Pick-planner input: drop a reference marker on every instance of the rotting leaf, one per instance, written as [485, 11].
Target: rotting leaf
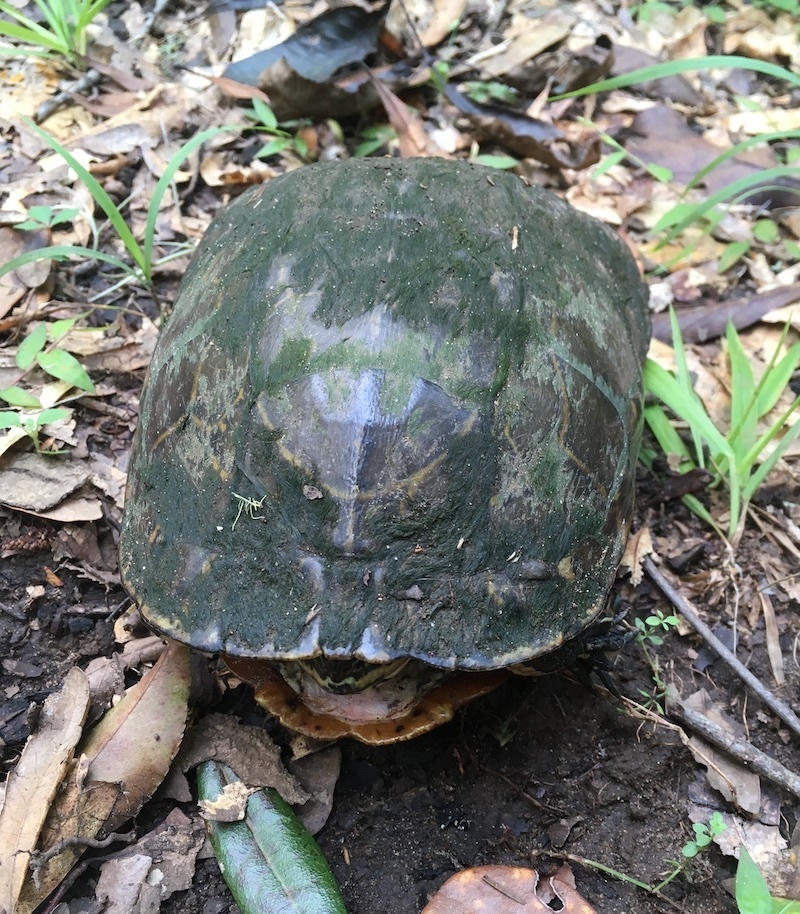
[525, 136]
[32, 785]
[504, 890]
[248, 750]
[638, 546]
[136, 741]
[78, 813]
[318, 49]
[123, 760]
[411, 134]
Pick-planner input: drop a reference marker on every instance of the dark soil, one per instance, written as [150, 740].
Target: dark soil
[576, 773]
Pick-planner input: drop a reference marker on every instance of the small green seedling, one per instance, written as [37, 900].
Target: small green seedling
[32, 423]
[63, 34]
[34, 351]
[704, 834]
[42, 217]
[649, 635]
[373, 139]
[282, 138]
[40, 349]
[485, 93]
[736, 455]
[649, 629]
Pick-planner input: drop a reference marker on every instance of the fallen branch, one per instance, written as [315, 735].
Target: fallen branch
[686, 610]
[739, 749]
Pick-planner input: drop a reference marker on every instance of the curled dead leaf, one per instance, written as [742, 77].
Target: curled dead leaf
[504, 890]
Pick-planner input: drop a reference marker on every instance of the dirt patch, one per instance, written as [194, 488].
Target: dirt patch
[540, 768]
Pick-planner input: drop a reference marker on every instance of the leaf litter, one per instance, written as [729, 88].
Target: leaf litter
[123, 130]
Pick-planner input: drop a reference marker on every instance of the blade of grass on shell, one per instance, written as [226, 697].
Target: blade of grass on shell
[166, 179]
[101, 198]
[687, 65]
[742, 435]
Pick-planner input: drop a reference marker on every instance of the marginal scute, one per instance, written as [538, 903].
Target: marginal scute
[368, 331]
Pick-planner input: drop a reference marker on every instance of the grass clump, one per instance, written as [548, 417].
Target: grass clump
[737, 456]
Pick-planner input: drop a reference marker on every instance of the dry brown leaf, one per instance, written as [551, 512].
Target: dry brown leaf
[502, 890]
[159, 864]
[136, 741]
[123, 760]
[751, 31]
[411, 135]
[638, 546]
[78, 813]
[248, 750]
[32, 785]
[772, 637]
[735, 782]
[525, 39]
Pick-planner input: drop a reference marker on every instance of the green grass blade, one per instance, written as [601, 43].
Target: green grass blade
[742, 435]
[663, 385]
[32, 34]
[25, 52]
[684, 377]
[776, 379]
[62, 252]
[765, 468]
[738, 148]
[727, 193]
[100, 196]
[54, 16]
[666, 435]
[688, 65]
[697, 508]
[165, 180]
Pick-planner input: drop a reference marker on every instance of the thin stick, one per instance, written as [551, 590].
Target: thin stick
[687, 611]
[740, 749]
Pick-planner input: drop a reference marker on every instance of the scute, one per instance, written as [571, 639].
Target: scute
[395, 412]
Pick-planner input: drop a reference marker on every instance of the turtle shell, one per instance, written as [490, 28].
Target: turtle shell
[394, 413]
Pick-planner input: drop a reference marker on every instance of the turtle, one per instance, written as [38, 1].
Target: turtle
[387, 441]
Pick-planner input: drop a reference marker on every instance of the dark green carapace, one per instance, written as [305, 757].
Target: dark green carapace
[395, 412]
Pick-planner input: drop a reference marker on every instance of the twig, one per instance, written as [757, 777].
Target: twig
[740, 749]
[609, 870]
[89, 80]
[685, 609]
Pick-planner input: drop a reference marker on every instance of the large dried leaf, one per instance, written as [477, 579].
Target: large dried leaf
[123, 760]
[504, 890]
[33, 783]
[317, 50]
[135, 742]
